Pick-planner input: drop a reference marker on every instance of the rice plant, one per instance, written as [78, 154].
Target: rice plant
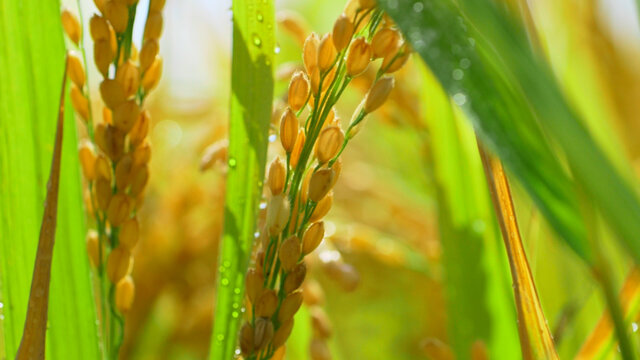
[361, 179]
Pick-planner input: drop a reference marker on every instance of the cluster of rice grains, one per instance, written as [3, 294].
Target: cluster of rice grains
[300, 185]
[116, 153]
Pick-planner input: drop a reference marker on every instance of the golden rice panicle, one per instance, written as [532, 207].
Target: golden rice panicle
[288, 130]
[298, 91]
[213, 154]
[128, 75]
[385, 42]
[254, 284]
[327, 53]
[148, 53]
[289, 253]
[329, 142]
[71, 26]
[263, 333]
[395, 62]
[276, 176]
[129, 233]
[99, 28]
[88, 158]
[118, 264]
[320, 184]
[378, 94]
[312, 237]
[282, 334]
[290, 306]
[297, 148]
[246, 339]
[153, 27]
[152, 75]
[117, 12]
[125, 293]
[310, 52]
[359, 57]
[277, 214]
[93, 248]
[75, 69]
[157, 5]
[322, 208]
[342, 32]
[79, 102]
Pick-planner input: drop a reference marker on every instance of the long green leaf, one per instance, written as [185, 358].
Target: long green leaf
[485, 63]
[251, 97]
[32, 59]
[479, 305]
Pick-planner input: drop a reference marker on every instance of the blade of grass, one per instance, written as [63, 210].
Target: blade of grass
[31, 56]
[252, 93]
[479, 304]
[535, 337]
[32, 345]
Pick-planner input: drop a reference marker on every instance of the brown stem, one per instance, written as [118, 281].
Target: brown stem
[32, 345]
[535, 337]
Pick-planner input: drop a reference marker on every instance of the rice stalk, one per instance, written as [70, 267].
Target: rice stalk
[300, 185]
[116, 155]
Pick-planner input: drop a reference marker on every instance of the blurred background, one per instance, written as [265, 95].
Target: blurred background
[380, 275]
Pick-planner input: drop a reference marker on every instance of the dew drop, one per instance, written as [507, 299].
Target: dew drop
[418, 7]
[260, 183]
[460, 99]
[232, 162]
[276, 50]
[220, 337]
[393, 4]
[259, 17]
[256, 234]
[256, 40]
[234, 314]
[226, 263]
[237, 292]
[225, 282]
[272, 137]
[465, 63]
[457, 74]
[263, 205]
[634, 327]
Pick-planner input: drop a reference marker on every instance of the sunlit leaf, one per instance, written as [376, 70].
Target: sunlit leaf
[32, 59]
[251, 97]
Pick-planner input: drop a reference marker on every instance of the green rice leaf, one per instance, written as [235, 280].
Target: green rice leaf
[479, 306]
[32, 58]
[251, 97]
[485, 63]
